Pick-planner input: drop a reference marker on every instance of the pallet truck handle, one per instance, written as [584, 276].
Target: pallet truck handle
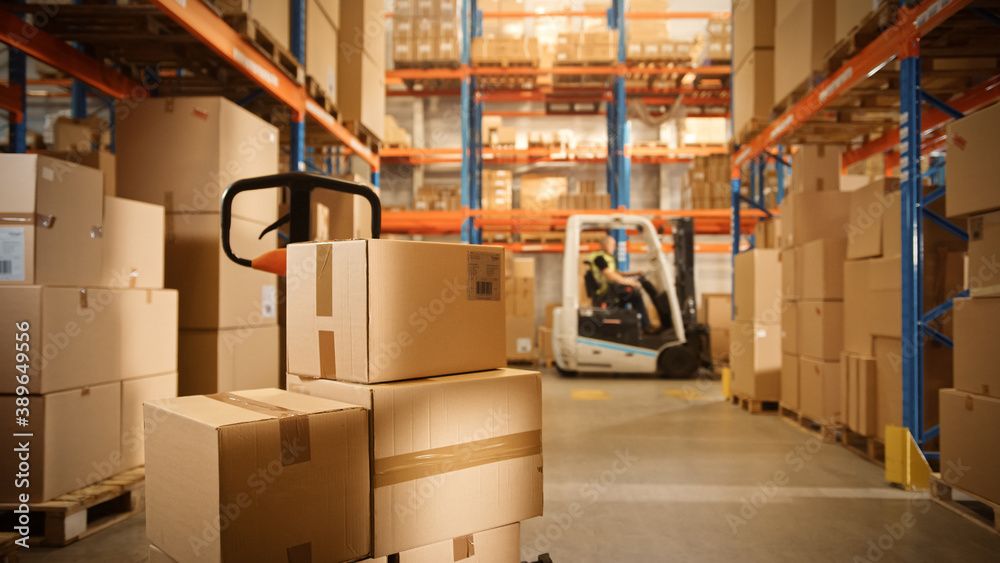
[300, 185]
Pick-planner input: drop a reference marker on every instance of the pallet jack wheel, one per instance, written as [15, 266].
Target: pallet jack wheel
[677, 362]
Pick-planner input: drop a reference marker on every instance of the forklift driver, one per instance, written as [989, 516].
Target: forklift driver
[614, 287]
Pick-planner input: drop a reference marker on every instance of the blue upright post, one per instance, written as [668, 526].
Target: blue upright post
[618, 138]
[18, 74]
[78, 94]
[761, 184]
[468, 119]
[734, 197]
[912, 241]
[297, 137]
[779, 167]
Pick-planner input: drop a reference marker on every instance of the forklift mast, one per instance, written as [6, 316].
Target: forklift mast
[684, 266]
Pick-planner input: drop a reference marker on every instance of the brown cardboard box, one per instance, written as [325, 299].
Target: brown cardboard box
[790, 286]
[970, 431]
[819, 390]
[73, 441]
[755, 357]
[873, 227]
[754, 79]
[790, 381]
[523, 296]
[545, 343]
[383, 310]
[521, 339]
[461, 415]
[499, 545]
[817, 168]
[976, 353]
[64, 329]
[758, 286]
[850, 13]
[322, 42]
[361, 88]
[133, 244]
[790, 328]
[984, 248]
[972, 163]
[550, 313]
[937, 376]
[753, 28]
[821, 269]
[225, 481]
[274, 15]
[872, 302]
[858, 388]
[102, 160]
[134, 393]
[51, 221]
[71, 134]
[148, 330]
[848, 389]
[219, 361]
[541, 191]
[331, 9]
[716, 310]
[156, 555]
[215, 291]
[821, 329]
[201, 146]
[802, 39]
[362, 28]
[808, 216]
[719, 345]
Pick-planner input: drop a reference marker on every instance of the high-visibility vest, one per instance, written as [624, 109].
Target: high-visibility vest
[602, 280]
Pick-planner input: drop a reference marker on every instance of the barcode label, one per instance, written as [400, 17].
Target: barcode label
[6, 267]
[482, 287]
[485, 275]
[12, 254]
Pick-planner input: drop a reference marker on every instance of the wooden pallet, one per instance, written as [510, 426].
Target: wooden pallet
[750, 130]
[868, 447]
[976, 509]
[507, 81]
[8, 549]
[252, 30]
[583, 80]
[796, 95]
[861, 35]
[365, 135]
[320, 96]
[84, 512]
[754, 406]
[543, 238]
[825, 430]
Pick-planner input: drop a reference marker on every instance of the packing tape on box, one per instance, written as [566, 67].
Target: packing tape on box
[438, 461]
[294, 425]
[36, 219]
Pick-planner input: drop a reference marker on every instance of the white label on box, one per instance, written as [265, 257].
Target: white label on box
[523, 345]
[331, 81]
[761, 334]
[269, 301]
[485, 270]
[12, 253]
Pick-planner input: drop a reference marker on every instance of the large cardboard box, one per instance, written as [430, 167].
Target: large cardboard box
[970, 432]
[873, 227]
[322, 40]
[790, 381]
[218, 361]
[821, 269]
[362, 28]
[758, 295]
[937, 376]
[253, 475]
[808, 216]
[134, 427]
[789, 273]
[754, 80]
[361, 91]
[156, 555]
[819, 390]
[821, 329]
[201, 146]
[542, 191]
[850, 13]
[790, 328]
[872, 302]
[274, 15]
[858, 393]
[383, 310]
[133, 235]
[976, 353]
[216, 292]
[521, 339]
[719, 345]
[50, 222]
[485, 428]
[102, 160]
[984, 248]
[71, 337]
[972, 163]
[802, 39]
[499, 545]
[816, 168]
[148, 330]
[716, 310]
[753, 27]
[72, 437]
[755, 357]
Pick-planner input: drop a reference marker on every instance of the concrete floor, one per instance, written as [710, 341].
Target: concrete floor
[650, 470]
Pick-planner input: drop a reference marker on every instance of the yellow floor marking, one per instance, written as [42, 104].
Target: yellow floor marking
[688, 395]
[590, 395]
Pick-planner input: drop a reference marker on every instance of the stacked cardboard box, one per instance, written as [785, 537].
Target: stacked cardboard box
[519, 286]
[438, 198]
[426, 31]
[228, 313]
[586, 197]
[322, 39]
[716, 311]
[767, 233]
[970, 412]
[545, 349]
[753, 55]
[396, 136]
[589, 47]
[755, 334]
[361, 64]
[647, 34]
[719, 44]
[93, 332]
[707, 184]
[542, 191]
[498, 190]
[804, 34]
[517, 51]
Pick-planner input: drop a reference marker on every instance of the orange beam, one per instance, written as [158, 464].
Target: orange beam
[633, 247]
[555, 14]
[398, 75]
[677, 15]
[912, 23]
[20, 34]
[10, 100]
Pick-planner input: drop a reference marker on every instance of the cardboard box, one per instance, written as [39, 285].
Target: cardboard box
[541, 191]
[156, 555]
[490, 420]
[148, 331]
[521, 339]
[851, 13]
[789, 273]
[753, 28]
[50, 222]
[821, 329]
[758, 295]
[201, 146]
[74, 441]
[937, 376]
[755, 357]
[274, 15]
[808, 216]
[545, 343]
[134, 393]
[984, 247]
[361, 86]
[976, 353]
[322, 42]
[790, 328]
[754, 79]
[384, 310]
[499, 545]
[816, 167]
[859, 388]
[874, 226]
[716, 310]
[64, 329]
[102, 160]
[362, 26]
[872, 302]
[215, 291]
[550, 313]
[522, 297]
[970, 431]
[331, 9]
[821, 269]
[219, 361]
[80, 135]
[252, 475]
[801, 42]
[719, 345]
[134, 242]
[819, 390]
[971, 163]
[790, 381]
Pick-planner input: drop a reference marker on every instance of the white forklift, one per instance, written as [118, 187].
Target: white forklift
[608, 338]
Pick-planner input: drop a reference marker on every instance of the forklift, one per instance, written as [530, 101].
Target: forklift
[604, 337]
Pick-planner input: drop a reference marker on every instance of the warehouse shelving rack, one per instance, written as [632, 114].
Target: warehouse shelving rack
[222, 49]
[807, 121]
